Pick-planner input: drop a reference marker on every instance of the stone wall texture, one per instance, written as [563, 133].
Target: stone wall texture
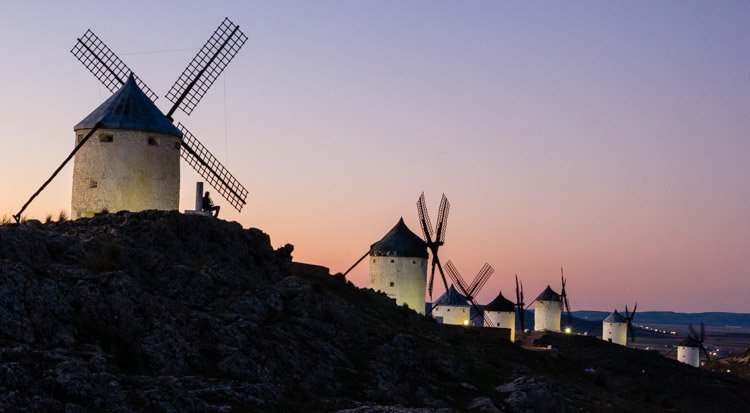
[453, 314]
[503, 319]
[402, 278]
[616, 332]
[547, 316]
[689, 355]
[135, 171]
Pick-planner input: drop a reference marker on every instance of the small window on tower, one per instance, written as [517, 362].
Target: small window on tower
[93, 183]
[413, 262]
[391, 283]
[391, 260]
[79, 137]
[152, 141]
[177, 145]
[106, 138]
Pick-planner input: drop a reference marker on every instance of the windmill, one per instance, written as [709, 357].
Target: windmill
[185, 94]
[700, 338]
[435, 239]
[689, 350]
[565, 303]
[470, 291]
[519, 303]
[629, 318]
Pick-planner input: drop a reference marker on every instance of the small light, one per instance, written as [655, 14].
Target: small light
[466, 322]
[568, 330]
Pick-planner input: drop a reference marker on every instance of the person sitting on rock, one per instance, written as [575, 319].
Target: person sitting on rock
[209, 206]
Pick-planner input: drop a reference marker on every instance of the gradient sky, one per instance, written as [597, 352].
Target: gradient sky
[606, 137]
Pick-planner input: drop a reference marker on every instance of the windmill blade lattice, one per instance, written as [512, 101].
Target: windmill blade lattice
[104, 64]
[442, 222]
[206, 164]
[456, 277]
[424, 219]
[481, 279]
[459, 281]
[206, 66]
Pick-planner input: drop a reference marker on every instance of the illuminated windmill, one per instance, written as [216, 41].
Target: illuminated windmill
[470, 291]
[133, 163]
[616, 327]
[435, 239]
[689, 350]
[501, 313]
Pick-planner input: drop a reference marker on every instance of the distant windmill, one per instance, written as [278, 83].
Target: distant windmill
[689, 350]
[700, 338]
[565, 303]
[471, 291]
[519, 304]
[435, 239]
[131, 108]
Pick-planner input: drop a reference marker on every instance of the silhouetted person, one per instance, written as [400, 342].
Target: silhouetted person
[209, 206]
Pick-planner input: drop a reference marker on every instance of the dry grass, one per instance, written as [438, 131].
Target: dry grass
[62, 216]
[48, 219]
[6, 219]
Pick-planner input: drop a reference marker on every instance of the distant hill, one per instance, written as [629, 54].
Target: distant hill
[717, 319]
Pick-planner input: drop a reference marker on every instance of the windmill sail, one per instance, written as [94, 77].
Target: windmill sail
[206, 164]
[104, 64]
[205, 67]
[476, 286]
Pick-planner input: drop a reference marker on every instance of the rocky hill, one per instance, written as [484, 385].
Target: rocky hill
[157, 311]
[738, 365]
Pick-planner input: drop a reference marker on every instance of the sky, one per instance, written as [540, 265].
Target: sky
[609, 138]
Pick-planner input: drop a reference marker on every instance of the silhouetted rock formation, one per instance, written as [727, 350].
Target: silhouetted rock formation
[161, 311]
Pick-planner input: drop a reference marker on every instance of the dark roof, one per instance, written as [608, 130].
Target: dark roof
[452, 297]
[400, 242]
[500, 303]
[615, 317]
[690, 342]
[548, 295]
[129, 108]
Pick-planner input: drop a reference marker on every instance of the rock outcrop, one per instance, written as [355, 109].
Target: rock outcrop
[159, 311]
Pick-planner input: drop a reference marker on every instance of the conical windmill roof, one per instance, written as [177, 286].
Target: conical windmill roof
[690, 342]
[615, 317]
[452, 297]
[129, 108]
[500, 304]
[400, 242]
[548, 295]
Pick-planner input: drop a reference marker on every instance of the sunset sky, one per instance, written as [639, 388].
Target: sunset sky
[610, 138]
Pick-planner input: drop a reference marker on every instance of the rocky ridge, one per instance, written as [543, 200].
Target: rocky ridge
[160, 311]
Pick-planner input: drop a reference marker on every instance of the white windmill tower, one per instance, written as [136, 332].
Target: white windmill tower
[616, 327]
[452, 308]
[501, 313]
[133, 161]
[398, 267]
[547, 311]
